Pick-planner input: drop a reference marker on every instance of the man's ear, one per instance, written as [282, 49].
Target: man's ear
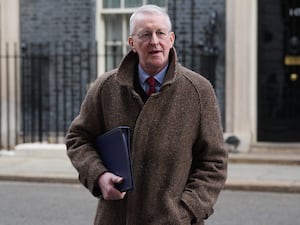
[130, 42]
[172, 39]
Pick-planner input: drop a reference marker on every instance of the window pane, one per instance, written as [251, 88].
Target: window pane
[161, 3]
[111, 4]
[113, 25]
[133, 3]
[113, 57]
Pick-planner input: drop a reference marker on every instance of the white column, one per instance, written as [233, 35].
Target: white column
[9, 71]
[241, 56]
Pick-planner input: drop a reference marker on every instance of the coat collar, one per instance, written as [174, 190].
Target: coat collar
[128, 68]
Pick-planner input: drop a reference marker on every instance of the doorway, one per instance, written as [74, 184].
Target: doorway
[279, 71]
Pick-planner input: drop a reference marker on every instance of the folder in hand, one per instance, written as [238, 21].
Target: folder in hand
[114, 150]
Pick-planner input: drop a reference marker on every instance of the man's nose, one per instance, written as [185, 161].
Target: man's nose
[154, 38]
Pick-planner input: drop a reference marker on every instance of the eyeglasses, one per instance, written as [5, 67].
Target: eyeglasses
[148, 35]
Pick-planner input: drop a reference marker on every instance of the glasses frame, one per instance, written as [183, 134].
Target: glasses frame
[147, 35]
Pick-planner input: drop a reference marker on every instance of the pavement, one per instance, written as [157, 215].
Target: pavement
[261, 171]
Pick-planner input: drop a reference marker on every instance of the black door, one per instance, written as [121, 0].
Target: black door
[279, 71]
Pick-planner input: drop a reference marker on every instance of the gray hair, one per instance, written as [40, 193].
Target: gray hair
[148, 9]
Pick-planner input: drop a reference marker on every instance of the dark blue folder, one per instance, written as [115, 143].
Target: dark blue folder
[114, 150]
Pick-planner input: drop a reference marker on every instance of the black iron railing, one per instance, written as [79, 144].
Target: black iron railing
[55, 79]
[42, 88]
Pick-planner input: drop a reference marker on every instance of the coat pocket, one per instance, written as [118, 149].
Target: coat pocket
[184, 215]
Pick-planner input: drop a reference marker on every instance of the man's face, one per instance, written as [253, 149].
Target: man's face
[152, 42]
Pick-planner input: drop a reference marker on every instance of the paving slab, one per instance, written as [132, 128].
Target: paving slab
[257, 172]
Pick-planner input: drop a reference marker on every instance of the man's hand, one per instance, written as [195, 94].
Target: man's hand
[106, 183]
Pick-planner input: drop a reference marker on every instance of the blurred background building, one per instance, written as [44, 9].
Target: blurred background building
[51, 51]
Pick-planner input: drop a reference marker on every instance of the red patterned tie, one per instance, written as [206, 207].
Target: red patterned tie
[151, 81]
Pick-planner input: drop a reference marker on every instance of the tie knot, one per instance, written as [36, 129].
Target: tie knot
[151, 82]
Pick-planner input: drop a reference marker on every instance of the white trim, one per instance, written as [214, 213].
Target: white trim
[117, 11]
[10, 99]
[124, 36]
[253, 70]
[100, 28]
[241, 72]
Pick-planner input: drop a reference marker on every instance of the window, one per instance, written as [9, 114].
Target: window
[113, 29]
[131, 3]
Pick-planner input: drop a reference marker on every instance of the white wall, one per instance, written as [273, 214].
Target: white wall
[241, 45]
[9, 44]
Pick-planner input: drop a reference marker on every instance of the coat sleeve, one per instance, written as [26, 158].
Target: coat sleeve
[80, 137]
[209, 166]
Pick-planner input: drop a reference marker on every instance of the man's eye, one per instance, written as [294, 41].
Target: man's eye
[160, 33]
[145, 35]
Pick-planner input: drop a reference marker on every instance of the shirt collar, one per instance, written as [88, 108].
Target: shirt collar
[159, 77]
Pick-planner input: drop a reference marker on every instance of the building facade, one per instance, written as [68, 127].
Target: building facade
[58, 62]
[249, 50]
[9, 73]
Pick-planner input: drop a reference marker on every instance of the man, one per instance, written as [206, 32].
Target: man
[178, 160]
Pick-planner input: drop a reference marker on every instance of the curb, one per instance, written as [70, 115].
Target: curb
[233, 185]
[263, 186]
[15, 178]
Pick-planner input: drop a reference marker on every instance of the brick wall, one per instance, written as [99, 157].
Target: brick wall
[57, 20]
[58, 63]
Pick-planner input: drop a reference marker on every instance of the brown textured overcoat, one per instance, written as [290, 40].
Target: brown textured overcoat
[177, 149]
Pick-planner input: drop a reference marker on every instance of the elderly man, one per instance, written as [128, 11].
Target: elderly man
[178, 158]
